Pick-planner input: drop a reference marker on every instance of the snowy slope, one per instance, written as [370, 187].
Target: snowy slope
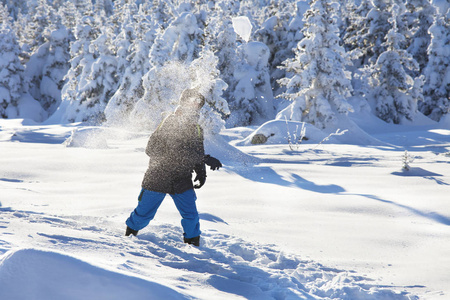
[335, 221]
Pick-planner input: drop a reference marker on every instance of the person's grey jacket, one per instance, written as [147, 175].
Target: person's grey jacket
[175, 150]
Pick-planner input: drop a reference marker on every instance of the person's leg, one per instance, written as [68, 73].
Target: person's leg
[145, 211]
[185, 204]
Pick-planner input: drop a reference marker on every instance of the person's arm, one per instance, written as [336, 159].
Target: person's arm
[200, 169]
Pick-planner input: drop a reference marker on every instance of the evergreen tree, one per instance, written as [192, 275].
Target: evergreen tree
[11, 74]
[367, 32]
[420, 17]
[394, 92]
[320, 84]
[356, 17]
[131, 88]
[57, 4]
[437, 72]
[161, 11]
[99, 83]
[47, 67]
[288, 40]
[82, 58]
[41, 18]
[125, 37]
[84, 7]
[222, 39]
[16, 8]
[69, 16]
[252, 101]
[180, 41]
[205, 75]
[54, 69]
[99, 10]
[120, 13]
[274, 32]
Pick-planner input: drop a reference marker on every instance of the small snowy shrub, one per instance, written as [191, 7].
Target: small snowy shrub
[337, 133]
[296, 138]
[406, 160]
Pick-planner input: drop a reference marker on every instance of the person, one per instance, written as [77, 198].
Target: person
[176, 150]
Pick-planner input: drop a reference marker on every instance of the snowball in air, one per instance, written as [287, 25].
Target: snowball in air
[242, 27]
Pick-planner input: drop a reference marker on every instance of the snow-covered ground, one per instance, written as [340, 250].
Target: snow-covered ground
[307, 222]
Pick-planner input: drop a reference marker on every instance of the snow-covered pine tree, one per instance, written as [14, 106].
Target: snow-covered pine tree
[55, 69]
[40, 19]
[252, 100]
[205, 75]
[124, 35]
[437, 72]
[355, 17]
[398, 11]
[367, 32]
[121, 11]
[4, 15]
[47, 67]
[57, 4]
[11, 74]
[288, 42]
[419, 17]
[394, 94]
[82, 58]
[105, 7]
[161, 11]
[99, 10]
[131, 89]
[320, 85]
[180, 41]
[69, 16]
[222, 39]
[84, 7]
[16, 8]
[442, 6]
[278, 32]
[99, 83]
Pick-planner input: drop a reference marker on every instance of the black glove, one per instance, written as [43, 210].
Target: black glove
[214, 163]
[200, 172]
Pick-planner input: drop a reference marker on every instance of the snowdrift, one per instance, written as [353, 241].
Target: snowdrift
[289, 132]
[51, 275]
[87, 138]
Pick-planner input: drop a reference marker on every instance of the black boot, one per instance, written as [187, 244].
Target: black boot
[192, 241]
[131, 231]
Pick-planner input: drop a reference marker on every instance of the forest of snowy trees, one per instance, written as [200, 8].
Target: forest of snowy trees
[127, 61]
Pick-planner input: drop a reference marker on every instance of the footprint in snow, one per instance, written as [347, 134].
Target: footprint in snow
[256, 271]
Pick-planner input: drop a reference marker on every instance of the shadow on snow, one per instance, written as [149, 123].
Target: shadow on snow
[264, 174]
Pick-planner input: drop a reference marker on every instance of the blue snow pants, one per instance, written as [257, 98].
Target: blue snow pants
[149, 203]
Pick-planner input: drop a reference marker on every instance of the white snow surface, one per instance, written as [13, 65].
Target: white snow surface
[334, 221]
